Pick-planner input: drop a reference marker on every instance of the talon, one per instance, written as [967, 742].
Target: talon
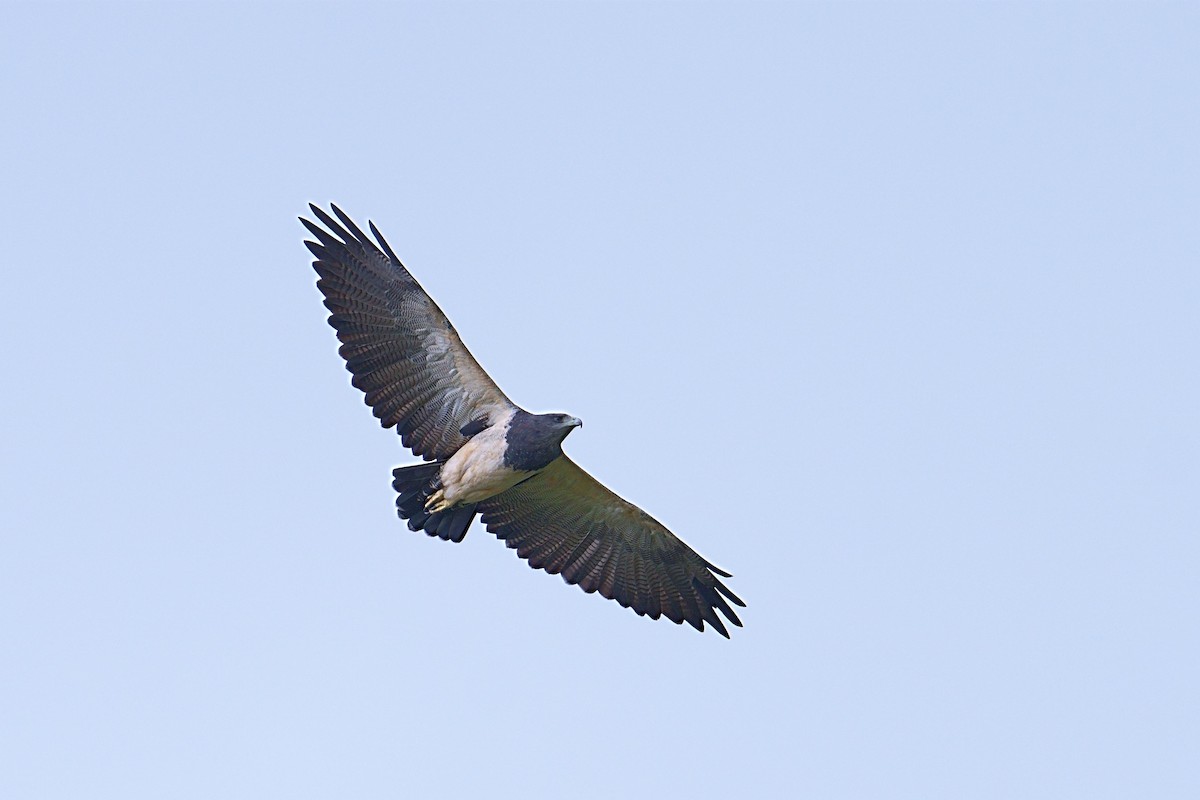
[436, 502]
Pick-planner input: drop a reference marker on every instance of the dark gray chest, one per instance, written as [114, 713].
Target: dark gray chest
[530, 444]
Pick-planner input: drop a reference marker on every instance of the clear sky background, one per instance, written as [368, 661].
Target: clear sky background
[890, 310]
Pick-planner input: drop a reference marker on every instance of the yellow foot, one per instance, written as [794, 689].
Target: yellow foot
[436, 502]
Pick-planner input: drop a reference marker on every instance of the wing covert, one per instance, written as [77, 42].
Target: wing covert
[566, 522]
[415, 371]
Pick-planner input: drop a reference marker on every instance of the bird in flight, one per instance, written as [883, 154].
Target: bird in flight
[487, 456]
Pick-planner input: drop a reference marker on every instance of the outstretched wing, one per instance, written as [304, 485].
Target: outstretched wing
[565, 521]
[405, 355]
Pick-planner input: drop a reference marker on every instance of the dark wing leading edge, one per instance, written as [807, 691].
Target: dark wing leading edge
[565, 521]
[404, 354]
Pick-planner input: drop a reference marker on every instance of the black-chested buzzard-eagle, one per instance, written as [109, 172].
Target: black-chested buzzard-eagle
[490, 457]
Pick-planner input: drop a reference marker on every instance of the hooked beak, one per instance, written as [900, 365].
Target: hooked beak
[575, 422]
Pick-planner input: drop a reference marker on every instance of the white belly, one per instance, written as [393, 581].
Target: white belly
[477, 472]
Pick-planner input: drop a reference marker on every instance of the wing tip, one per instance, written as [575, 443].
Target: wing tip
[725, 590]
[717, 569]
[387, 249]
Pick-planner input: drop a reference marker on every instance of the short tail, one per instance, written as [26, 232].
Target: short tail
[416, 484]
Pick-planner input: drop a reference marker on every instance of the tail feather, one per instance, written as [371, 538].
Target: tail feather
[415, 485]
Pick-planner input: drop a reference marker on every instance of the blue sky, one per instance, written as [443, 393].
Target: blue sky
[889, 310]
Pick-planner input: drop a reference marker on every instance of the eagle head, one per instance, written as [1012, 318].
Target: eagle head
[549, 428]
[565, 423]
[534, 440]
